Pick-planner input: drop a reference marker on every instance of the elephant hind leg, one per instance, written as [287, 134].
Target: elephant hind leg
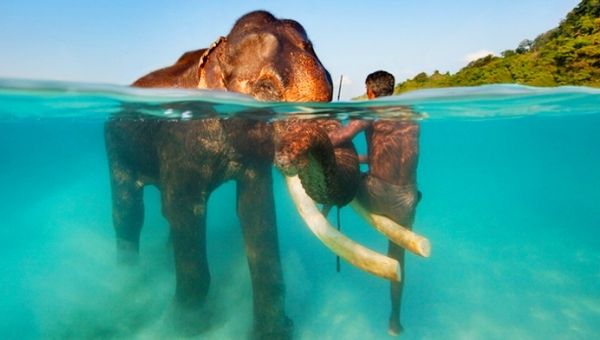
[128, 212]
[255, 208]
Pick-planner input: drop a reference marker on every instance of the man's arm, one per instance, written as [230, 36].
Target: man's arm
[346, 133]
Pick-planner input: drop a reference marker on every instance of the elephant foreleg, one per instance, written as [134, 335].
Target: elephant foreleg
[256, 212]
[187, 217]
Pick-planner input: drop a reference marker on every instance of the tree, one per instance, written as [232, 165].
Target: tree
[566, 55]
[524, 46]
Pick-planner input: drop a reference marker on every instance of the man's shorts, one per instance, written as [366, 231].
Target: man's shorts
[393, 201]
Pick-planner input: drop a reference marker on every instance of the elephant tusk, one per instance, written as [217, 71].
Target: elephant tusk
[396, 233]
[359, 256]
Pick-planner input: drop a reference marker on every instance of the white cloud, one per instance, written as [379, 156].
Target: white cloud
[476, 55]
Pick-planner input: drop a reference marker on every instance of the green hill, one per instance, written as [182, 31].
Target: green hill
[566, 55]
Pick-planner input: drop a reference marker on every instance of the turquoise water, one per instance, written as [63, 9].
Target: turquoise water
[510, 179]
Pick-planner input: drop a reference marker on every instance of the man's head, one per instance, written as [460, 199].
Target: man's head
[379, 84]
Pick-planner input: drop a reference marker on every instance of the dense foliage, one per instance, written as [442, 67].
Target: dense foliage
[566, 55]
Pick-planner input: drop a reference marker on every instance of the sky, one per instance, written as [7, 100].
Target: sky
[116, 42]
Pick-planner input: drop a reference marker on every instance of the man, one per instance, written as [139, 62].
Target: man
[390, 186]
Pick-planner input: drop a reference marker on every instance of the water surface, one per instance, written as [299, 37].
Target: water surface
[510, 181]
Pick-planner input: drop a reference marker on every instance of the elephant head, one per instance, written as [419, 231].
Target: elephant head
[268, 58]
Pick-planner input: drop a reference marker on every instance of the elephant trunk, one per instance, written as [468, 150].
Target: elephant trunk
[329, 175]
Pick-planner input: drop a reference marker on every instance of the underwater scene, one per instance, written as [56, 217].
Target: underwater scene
[510, 184]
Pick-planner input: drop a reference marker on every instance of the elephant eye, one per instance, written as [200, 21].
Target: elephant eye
[266, 90]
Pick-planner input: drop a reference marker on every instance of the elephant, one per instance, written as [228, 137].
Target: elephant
[270, 59]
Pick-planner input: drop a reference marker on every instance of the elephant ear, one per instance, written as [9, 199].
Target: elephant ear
[210, 73]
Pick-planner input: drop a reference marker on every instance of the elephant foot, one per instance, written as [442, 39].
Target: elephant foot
[395, 327]
[187, 321]
[282, 331]
[127, 252]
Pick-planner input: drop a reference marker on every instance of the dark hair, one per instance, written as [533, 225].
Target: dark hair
[381, 83]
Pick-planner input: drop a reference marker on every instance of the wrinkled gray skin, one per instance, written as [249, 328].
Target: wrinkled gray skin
[262, 56]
